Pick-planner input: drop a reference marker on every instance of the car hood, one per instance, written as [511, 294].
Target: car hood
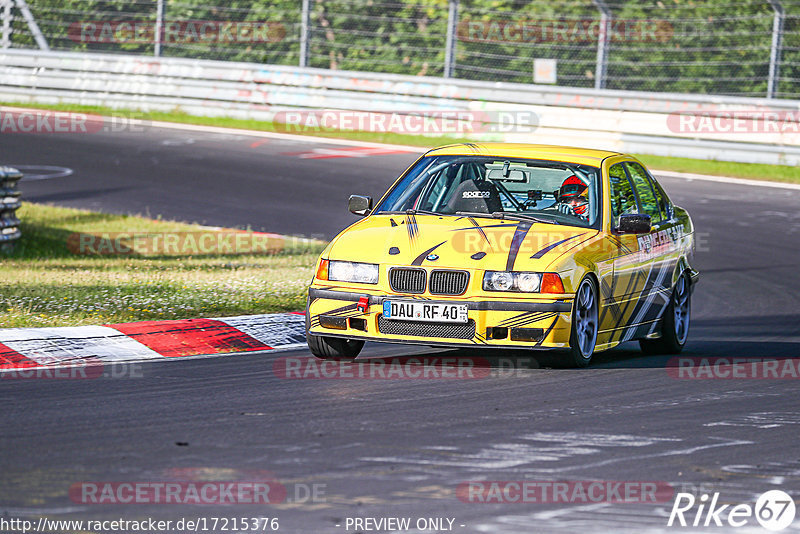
[456, 242]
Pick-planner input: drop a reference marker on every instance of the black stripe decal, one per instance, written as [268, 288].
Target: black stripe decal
[514, 319]
[479, 338]
[573, 246]
[641, 300]
[617, 241]
[516, 243]
[551, 246]
[518, 320]
[534, 317]
[611, 305]
[633, 281]
[411, 228]
[504, 225]
[480, 230]
[646, 304]
[338, 311]
[547, 332]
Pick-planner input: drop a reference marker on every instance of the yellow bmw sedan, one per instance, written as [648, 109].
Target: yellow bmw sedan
[509, 246]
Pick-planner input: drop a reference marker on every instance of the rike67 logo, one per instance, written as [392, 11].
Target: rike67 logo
[773, 510]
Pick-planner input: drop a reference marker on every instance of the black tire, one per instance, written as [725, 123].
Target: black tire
[674, 326]
[585, 324]
[327, 348]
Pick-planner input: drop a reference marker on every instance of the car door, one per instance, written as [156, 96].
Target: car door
[658, 245]
[622, 287]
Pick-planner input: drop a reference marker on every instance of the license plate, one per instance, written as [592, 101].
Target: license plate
[425, 311]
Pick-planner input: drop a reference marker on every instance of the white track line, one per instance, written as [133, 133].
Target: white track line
[285, 136]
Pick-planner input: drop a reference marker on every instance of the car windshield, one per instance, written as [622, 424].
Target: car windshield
[547, 191]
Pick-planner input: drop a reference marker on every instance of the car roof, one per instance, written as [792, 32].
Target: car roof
[584, 156]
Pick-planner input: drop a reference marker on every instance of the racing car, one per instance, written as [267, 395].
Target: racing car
[509, 246]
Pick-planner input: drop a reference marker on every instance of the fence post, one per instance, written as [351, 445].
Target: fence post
[159, 32]
[602, 44]
[5, 41]
[450, 45]
[305, 22]
[775, 48]
[37, 33]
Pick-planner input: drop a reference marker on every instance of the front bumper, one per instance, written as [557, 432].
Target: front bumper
[694, 277]
[532, 322]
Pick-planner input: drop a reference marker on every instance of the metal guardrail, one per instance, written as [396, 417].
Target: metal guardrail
[618, 120]
[9, 203]
[714, 47]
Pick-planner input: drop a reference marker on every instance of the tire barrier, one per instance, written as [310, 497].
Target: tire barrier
[9, 204]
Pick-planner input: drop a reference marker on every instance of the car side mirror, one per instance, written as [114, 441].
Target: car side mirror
[359, 205]
[634, 223]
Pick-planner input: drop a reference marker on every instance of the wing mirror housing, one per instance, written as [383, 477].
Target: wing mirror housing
[634, 223]
[360, 205]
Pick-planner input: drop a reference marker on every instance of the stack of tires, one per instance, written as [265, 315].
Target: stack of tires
[9, 203]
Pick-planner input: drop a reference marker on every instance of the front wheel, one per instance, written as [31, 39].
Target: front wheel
[327, 348]
[583, 338]
[675, 324]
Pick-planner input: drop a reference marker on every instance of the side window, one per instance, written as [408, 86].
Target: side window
[435, 193]
[644, 190]
[663, 199]
[440, 186]
[621, 194]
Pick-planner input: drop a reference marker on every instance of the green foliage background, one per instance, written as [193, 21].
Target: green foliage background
[704, 46]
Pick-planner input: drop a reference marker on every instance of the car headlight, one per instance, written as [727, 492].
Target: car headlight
[348, 271]
[528, 282]
[498, 281]
[522, 282]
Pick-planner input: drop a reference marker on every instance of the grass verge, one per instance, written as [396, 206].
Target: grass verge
[45, 284]
[753, 171]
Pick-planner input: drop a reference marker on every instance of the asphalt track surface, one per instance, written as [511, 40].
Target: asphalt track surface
[400, 448]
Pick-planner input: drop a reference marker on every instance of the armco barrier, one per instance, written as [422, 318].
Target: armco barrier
[9, 203]
[616, 120]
